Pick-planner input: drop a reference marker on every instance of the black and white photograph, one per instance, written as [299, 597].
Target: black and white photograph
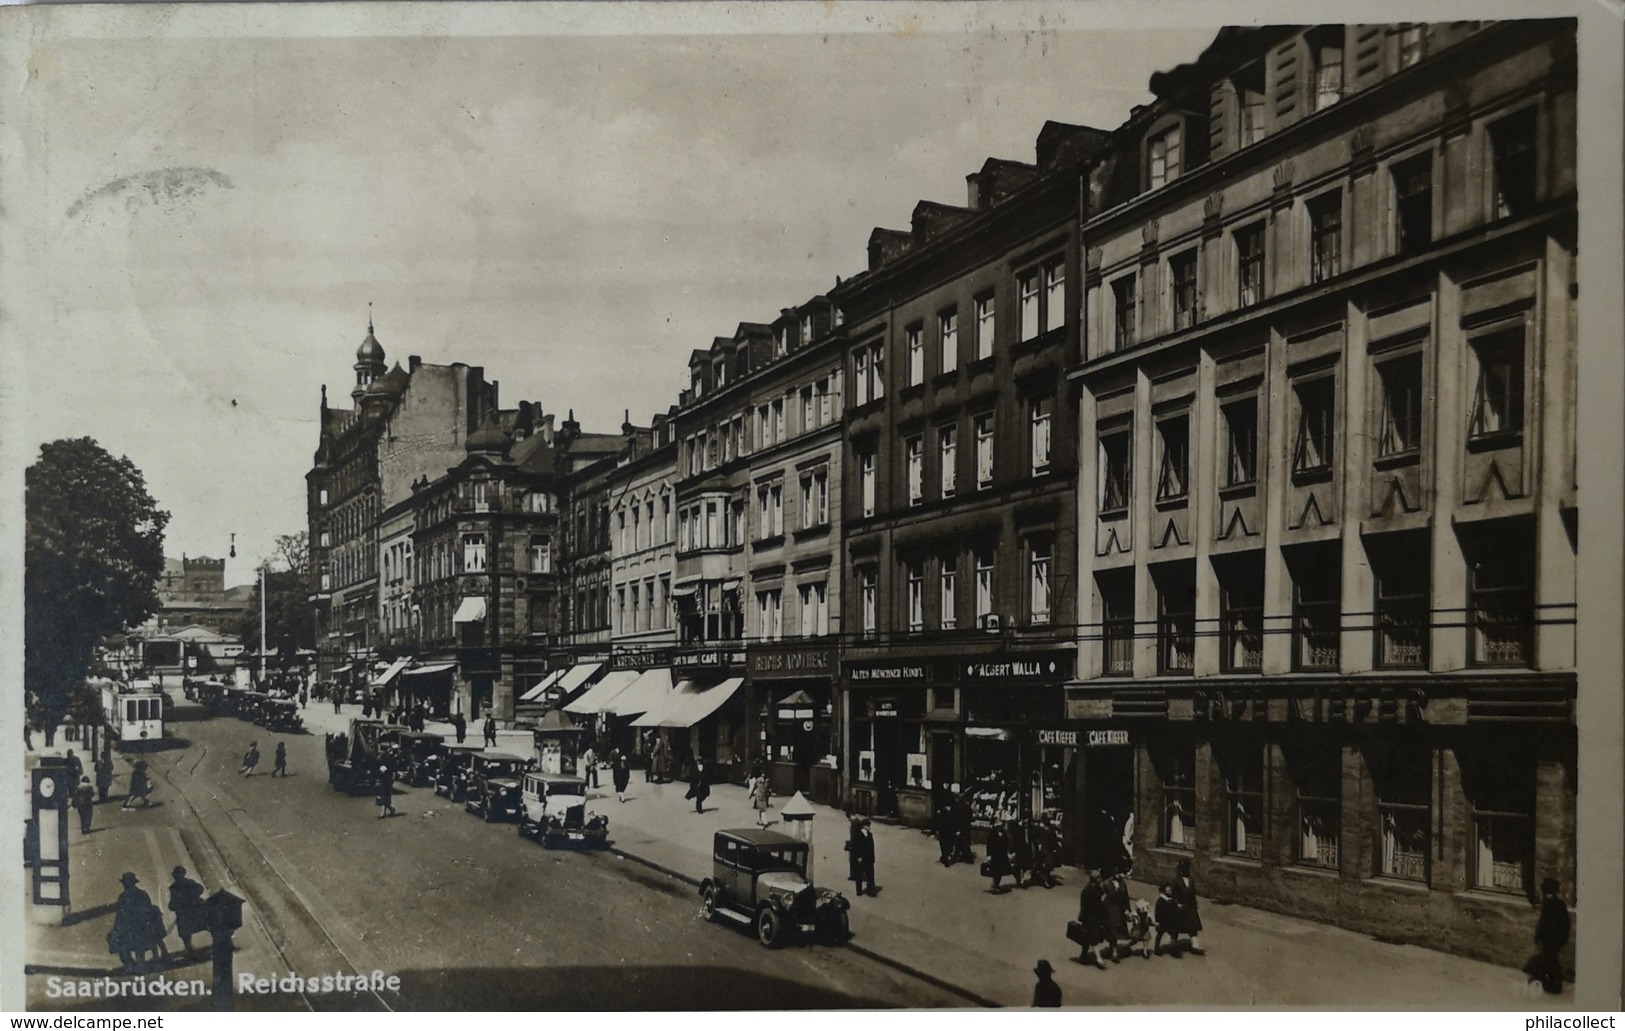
[811, 506]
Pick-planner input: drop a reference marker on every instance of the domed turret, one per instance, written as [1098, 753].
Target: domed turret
[488, 437]
[369, 364]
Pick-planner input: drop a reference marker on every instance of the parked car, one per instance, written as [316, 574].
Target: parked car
[451, 779]
[493, 785]
[553, 809]
[281, 715]
[759, 878]
[419, 757]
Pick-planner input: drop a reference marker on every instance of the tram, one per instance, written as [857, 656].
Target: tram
[134, 712]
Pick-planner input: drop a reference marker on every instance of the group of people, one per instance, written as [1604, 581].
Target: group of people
[251, 760]
[138, 934]
[1025, 850]
[1110, 922]
[620, 771]
[85, 794]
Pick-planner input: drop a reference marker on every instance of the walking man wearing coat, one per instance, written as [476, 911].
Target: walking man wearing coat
[186, 902]
[861, 859]
[84, 800]
[1551, 934]
[699, 788]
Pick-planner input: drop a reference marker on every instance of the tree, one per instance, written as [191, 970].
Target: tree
[288, 622]
[93, 553]
[294, 551]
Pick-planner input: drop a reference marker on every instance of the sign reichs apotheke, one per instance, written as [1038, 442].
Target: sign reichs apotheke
[792, 662]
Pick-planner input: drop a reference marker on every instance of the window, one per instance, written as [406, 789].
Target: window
[1182, 271]
[1413, 203]
[1038, 583]
[1054, 316]
[1500, 594]
[814, 610]
[1176, 769]
[1174, 438]
[914, 465]
[770, 615]
[1401, 406]
[809, 410]
[473, 552]
[650, 508]
[535, 502]
[321, 496]
[1027, 297]
[984, 327]
[662, 602]
[1117, 623]
[866, 602]
[1513, 158]
[1399, 567]
[1317, 584]
[1250, 264]
[1326, 51]
[1242, 765]
[687, 540]
[713, 525]
[945, 447]
[621, 625]
[1124, 295]
[775, 498]
[665, 517]
[781, 344]
[1039, 411]
[1412, 44]
[1164, 158]
[1249, 85]
[877, 370]
[1241, 613]
[1403, 778]
[625, 541]
[866, 482]
[1317, 408]
[1500, 785]
[541, 553]
[916, 597]
[948, 339]
[1317, 770]
[1176, 617]
[815, 498]
[779, 428]
[1325, 236]
[327, 539]
[984, 451]
[1498, 396]
[806, 330]
[1114, 470]
[948, 600]
[1241, 441]
[984, 587]
[822, 390]
[860, 377]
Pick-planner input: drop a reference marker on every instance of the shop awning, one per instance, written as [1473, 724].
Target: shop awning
[578, 674]
[597, 697]
[389, 674]
[690, 704]
[993, 733]
[648, 691]
[341, 669]
[732, 584]
[470, 610]
[535, 693]
[684, 592]
[424, 671]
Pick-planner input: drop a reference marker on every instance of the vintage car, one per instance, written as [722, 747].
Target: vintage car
[553, 809]
[493, 785]
[280, 714]
[358, 759]
[759, 878]
[419, 757]
[456, 762]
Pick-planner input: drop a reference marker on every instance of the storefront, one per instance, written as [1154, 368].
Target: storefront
[704, 715]
[791, 718]
[430, 686]
[887, 702]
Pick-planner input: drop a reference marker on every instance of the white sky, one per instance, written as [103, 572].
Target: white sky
[573, 213]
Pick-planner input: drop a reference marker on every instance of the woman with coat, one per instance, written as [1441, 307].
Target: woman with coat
[1021, 853]
[622, 775]
[860, 849]
[386, 792]
[1115, 904]
[1091, 922]
[699, 787]
[761, 794]
[997, 865]
[1190, 918]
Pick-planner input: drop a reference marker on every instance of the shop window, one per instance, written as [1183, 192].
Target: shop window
[1513, 155]
[1039, 412]
[916, 597]
[1403, 778]
[914, 337]
[1318, 772]
[1317, 413]
[1114, 471]
[1175, 763]
[1401, 380]
[1164, 158]
[1326, 52]
[1242, 767]
[1498, 395]
[1501, 593]
[914, 467]
[1125, 298]
[1174, 440]
[1499, 784]
[1039, 554]
[948, 340]
[1317, 584]
[948, 600]
[1241, 612]
[1250, 264]
[1241, 442]
[1182, 271]
[1249, 86]
[1399, 567]
[1176, 616]
[1325, 236]
[1117, 622]
[1413, 203]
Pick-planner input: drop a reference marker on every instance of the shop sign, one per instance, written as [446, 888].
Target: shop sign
[1041, 667]
[797, 663]
[708, 657]
[870, 674]
[883, 707]
[640, 659]
[803, 713]
[1107, 737]
[1066, 738]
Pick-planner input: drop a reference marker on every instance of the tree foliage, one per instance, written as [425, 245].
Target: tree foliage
[93, 553]
[288, 622]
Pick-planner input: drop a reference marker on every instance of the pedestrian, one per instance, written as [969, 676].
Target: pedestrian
[84, 800]
[251, 759]
[304, 696]
[997, 864]
[386, 793]
[657, 759]
[863, 852]
[186, 902]
[1046, 993]
[942, 825]
[280, 766]
[1046, 844]
[589, 766]
[1021, 853]
[490, 731]
[104, 778]
[1190, 916]
[1167, 918]
[1115, 902]
[76, 765]
[338, 698]
[459, 725]
[699, 789]
[1551, 934]
[139, 787]
[760, 794]
[135, 921]
[621, 774]
[1090, 930]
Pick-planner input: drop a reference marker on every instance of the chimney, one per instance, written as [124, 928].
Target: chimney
[412, 363]
[973, 191]
[547, 427]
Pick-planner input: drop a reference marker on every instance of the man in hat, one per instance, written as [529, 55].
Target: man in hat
[251, 760]
[104, 777]
[84, 800]
[280, 767]
[139, 787]
[134, 920]
[1551, 934]
[1046, 993]
[186, 902]
[490, 731]
[386, 793]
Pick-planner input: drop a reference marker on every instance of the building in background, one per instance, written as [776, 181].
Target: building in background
[1328, 477]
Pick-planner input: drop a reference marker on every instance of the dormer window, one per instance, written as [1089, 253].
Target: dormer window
[1326, 52]
[781, 346]
[699, 383]
[806, 330]
[1165, 153]
[719, 372]
[1249, 85]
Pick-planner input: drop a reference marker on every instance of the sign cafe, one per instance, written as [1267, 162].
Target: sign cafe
[1091, 738]
[713, 657]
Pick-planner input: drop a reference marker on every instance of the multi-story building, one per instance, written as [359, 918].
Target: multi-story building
[581, 651]
[958, 476]
[1327, 471]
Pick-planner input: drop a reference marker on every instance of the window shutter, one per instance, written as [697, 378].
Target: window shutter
[1222, 106]
[1368, 59]
[1286, 80]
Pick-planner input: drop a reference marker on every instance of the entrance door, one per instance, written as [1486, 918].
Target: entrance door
[942, 764]
[1107, 801]
[890, 762]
